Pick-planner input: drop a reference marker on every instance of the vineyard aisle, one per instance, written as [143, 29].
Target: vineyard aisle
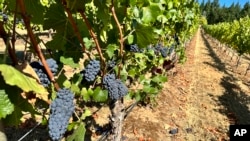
[201, 100]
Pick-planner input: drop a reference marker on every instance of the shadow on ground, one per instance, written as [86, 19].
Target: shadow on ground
[235, 102]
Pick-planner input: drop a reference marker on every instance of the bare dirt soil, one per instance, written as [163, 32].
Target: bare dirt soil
[200, 100]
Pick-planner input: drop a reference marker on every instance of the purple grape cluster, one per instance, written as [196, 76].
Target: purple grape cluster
[134, 48]
[61, 110]
[116, 89]
[160, 49]
[91, 70]
[52, 65]
[41, 73]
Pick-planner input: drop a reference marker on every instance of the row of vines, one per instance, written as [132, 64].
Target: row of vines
[118, 51]
[235, 34]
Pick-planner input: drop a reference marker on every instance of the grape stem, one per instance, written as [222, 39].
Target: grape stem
[35, 43]
[121, 40]
[75, 28]
[13, 40]
[91, 32]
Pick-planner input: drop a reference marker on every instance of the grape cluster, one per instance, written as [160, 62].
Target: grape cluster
[91, 70]
[164, 52]
[134, 48]
[61, 110]
[116, 89]
[41, 73]
[160, 49]
[52, 65]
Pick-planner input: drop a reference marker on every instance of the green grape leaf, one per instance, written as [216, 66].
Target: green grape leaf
[56, 19]
[150, 89]
[20, 105]
[72, 125]
[144, 35]
[78, 134]
[138, 96]
[75, 5]
[85, 94]
[74, 88]
[88, 43]
[13, 119]
[130, 39]
[159, 79]
[132, 72]
[86, 113]
[100, 95]
[170, 5]
[69, 61]
[34, 9]
[110, 50]
[6, 107]
[150, 13]
[14, 77]
[90, 92]
[57, 43]
[67, 84]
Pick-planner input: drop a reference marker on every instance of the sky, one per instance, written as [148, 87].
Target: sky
[229, 2]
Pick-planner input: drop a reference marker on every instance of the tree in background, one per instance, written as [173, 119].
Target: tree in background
[245, 10]
[215, 13]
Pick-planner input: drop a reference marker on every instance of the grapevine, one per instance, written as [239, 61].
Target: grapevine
[125, 41]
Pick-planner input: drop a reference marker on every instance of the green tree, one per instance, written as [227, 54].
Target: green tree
[245, 10]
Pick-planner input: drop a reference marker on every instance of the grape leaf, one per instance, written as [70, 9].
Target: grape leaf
[150, 89]
[100, 95]
[159, 79]
[144, 35]
[85, 94]
[14, 77]
[6, 107]
[74, 88]
[110, 50]
[14, 119]
[78, 134]
[75, 5]
[34, 9]
[150, 13]
[56, 19]
[57, 43]
[69, 61]
[86, 113]
[20, 105]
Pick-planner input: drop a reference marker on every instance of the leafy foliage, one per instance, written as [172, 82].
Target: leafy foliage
[6, 107]
[87, 31]
[236, 34]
